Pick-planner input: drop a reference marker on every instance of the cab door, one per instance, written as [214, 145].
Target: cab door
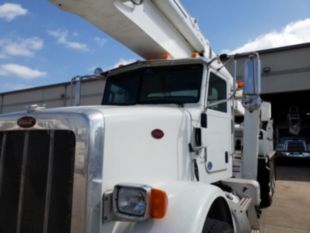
[218, 131]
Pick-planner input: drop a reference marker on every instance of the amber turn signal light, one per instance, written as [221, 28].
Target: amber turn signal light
[158, 204]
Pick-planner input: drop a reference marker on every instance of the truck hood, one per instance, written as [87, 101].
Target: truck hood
[132, 153]
[129, 151]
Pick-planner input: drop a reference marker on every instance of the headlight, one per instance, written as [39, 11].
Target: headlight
[138, 202]
[132, 201]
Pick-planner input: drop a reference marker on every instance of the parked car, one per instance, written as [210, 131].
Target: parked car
[294, 147]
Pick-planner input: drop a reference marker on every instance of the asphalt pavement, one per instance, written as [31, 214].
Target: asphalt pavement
[290, 210]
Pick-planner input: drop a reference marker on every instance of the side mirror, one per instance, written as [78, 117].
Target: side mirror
[252, 83]
[252, 76]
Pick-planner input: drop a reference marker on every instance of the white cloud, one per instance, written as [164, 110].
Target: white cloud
[294, 33]
[20, 71]
[21, 47]
[9, 11]
[100, 41]
[62, 38]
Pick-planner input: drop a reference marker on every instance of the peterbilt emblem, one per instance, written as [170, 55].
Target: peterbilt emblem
[26, 122]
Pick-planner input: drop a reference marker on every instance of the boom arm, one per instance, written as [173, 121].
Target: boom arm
[151, 28]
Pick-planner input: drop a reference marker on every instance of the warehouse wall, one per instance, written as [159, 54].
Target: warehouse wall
[58, 95]
[284, 69]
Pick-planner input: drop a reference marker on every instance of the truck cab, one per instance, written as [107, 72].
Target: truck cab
[189, 85]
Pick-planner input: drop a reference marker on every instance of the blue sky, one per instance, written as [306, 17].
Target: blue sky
[41, 45]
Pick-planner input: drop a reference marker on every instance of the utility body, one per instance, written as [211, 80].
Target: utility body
[156, 156]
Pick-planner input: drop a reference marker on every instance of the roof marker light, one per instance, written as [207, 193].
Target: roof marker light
[195, 54]
[167, 56]
[240, 84]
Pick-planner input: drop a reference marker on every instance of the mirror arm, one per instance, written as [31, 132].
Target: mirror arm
[220, 101]
[212, 60]
[230, 58]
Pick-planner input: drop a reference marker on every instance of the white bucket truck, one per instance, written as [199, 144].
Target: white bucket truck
[155, 157]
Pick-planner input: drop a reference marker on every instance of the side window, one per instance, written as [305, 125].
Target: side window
[217, 91]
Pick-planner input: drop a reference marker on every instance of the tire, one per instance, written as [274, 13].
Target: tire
[216, 226]
[266, 199]
[266, 179]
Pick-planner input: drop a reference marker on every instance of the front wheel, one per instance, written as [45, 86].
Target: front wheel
[217, 226]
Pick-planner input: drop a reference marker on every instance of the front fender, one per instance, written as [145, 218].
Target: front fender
[188, 206]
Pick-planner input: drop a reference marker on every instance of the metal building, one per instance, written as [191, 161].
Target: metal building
[286, 84]
[89, 92]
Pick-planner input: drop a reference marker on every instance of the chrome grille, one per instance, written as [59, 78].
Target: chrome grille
[36, 181]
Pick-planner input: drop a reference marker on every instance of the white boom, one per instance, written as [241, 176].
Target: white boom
[154, 29]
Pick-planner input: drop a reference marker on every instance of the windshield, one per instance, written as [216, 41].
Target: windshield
[155, 85]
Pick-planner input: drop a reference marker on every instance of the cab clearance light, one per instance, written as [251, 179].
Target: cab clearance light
[167, 56]
[240, 84]
[195, 54]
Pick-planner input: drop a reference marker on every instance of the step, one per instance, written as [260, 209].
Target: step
[245, 203]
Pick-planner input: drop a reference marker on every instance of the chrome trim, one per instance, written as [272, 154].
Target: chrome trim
[49, 182]
[107, 210]
[87, 124]
[22, 182]
[77, 91]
